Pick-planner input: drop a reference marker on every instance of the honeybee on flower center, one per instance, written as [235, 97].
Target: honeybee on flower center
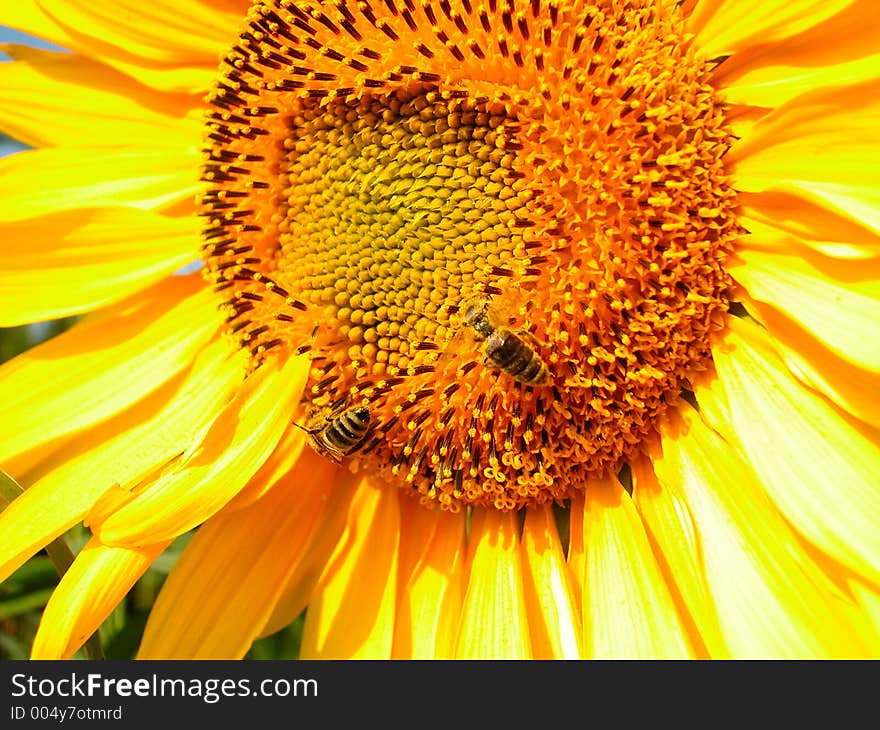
[505, 349]
[339, 433]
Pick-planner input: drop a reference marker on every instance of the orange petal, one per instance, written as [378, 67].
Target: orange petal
[123, 450]
[628, 611]
[73, 262]
[818, 467]
[353, 616]
[433, 576]
[417, 526]
[93, 586]
[228, 579]
[494, 619]
[772, 601]
[219, 464]
[554, 619]
[105, 364]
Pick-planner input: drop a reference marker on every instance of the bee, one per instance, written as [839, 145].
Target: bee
[506, 350]
[339, 433]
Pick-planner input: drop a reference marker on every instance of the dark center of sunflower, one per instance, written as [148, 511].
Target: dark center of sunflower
[498, 231]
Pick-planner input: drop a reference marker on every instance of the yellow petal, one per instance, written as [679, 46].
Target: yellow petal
[851, 388]
[868, 598]
[40, 182]
[771, 599]
[786, 223]
[228, 579]
[166, 31]
[162, 45]
[73, 262]
[93, 586]
[48, 99]
[800, 149]
[840, 49]
[628, 611]
[285, 457]
[417, 527]
[353, 616]
[837, 302]
[851, 599]
[430, 603]
[772, 86]
[313, 568]
[671, 528]
[724, 27]
[28, 17]
[219, 464]
[577, 557]
[494, 621]
[124, 449]
[189, 78]
[106, 363]
[554, 619]
[818, 467]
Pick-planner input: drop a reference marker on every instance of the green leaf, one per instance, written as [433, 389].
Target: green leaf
[19, 605]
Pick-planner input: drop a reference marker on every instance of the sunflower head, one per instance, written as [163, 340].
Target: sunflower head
[556, 168]
[594, 281]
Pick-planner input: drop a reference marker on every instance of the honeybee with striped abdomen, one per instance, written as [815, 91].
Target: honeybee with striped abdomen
[339, 433]
[506, 350]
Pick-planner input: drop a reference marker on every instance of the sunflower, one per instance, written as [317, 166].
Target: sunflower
[537, 329]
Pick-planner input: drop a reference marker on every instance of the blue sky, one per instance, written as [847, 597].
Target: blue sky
[8, 35]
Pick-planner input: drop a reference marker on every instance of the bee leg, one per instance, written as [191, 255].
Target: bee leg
[334, 457]
[322, 450]
[490, 364]
[308, 430]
